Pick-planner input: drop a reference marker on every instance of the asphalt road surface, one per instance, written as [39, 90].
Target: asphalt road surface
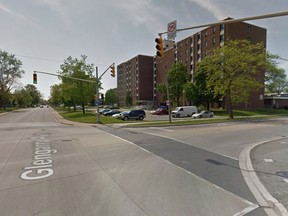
[49, 168]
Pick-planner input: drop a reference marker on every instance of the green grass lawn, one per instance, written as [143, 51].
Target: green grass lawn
[241, 113]
[8, 109]
[90, 117]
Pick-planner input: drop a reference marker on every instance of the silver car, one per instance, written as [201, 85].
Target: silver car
[203, 114]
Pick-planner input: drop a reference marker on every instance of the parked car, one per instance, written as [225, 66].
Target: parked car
[117, 116]
[203, 114]
[184, 111]
[111, 112]
[133, 114]
[102, 111]
[159, 111]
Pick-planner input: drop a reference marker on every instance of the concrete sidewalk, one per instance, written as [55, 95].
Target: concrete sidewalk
[270, 163]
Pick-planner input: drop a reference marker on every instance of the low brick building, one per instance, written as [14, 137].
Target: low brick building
[275, 101]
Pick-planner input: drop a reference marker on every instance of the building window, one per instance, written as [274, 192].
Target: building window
[199, 36]
[249, 28]
[214, 41]
[221, 38]
[206, 33]
[206, 43]
[222, 27]
[214, 29]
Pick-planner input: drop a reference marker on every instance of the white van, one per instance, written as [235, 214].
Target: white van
[184, 111]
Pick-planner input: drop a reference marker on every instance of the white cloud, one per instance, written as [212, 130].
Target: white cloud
[212, 7]
[15, 14]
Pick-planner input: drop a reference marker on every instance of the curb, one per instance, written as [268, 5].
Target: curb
[266, 201]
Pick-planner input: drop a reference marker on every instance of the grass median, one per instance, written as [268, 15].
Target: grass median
[220, 116]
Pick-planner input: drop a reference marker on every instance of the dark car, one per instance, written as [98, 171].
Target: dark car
[133, 114]
[111, 112]
[102, 111]
[160, 111]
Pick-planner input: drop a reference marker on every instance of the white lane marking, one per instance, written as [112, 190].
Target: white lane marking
[268, 160]
[163, 129]
[246, 210]
[286, 180]
[282, 142]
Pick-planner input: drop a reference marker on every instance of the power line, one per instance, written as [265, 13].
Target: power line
[39, 58]
[54, 60]
[283, 59]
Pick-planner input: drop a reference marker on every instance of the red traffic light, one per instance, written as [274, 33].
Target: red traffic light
[34, 78]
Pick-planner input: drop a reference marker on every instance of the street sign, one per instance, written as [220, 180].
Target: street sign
[171, 30]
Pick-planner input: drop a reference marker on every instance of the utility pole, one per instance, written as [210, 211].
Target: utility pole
[97, 96]
[112, 67]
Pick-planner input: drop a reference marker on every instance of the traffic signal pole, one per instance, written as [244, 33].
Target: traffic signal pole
[112, 66]
[264, 16]
[97, 89]
[97, 96]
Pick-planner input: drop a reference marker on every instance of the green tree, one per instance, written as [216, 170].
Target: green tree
[278, 83]
[22, 98]
[162, 88]
[232, 70]
[34, 93]
[198, 90]
[111, 97]
[56, 94]
[128, 99]
[10, 72]
[77, 91]
[177, 77]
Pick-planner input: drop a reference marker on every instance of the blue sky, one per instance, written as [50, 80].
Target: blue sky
[42, 33]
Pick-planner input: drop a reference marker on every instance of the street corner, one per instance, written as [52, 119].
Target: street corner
[264, 168]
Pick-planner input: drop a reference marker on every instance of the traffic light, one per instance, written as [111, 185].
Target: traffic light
[34, 78]
[159, 47]
[112, 70]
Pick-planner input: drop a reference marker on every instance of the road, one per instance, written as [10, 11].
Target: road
[50, 168]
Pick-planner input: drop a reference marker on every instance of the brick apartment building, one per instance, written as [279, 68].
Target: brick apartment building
[194, 48]
[135, 80]
[140, 75]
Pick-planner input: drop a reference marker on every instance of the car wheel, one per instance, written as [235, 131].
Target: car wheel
[141, 118]
[126, 118]
[211, 116]
[178, 115]
[200, 116]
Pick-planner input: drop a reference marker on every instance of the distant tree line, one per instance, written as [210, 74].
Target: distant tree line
[11, 92]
